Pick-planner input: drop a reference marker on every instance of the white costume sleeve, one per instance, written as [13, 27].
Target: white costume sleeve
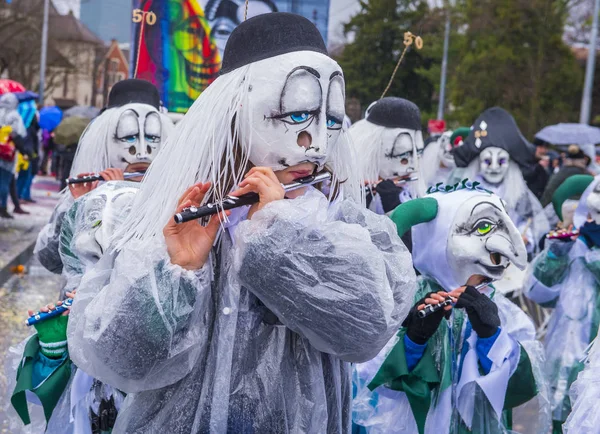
[48, 243]
[138, 321]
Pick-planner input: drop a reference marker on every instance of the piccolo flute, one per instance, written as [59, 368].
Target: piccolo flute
[432, 308]
[557, 235]
[230, 202]
[43, 316]
[399, 182]
[97, 177]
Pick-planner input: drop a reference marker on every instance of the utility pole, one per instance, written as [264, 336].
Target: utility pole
[586, 99]
[44, 51]
[442, 102]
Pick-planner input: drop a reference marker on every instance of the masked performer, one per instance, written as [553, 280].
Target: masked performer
[494, 154]
[72, 401]
[253, 331]
[462, 368]
[437, 163]
[390, 144]
[126, 137]
[565, 276]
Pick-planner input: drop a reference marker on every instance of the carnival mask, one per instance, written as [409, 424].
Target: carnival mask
[493, 164]
[137, 137]
[593, 204]
[445, 152]
[295, 110]
[400, 146]
[483, 240]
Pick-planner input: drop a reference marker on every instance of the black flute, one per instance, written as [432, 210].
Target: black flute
[432, 308]
[97, 177]
[230, 202]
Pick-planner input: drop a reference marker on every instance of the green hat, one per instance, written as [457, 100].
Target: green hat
[461, 134]
[413, 212]
[573, 186]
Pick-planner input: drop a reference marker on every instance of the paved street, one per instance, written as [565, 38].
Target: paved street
[29, 290]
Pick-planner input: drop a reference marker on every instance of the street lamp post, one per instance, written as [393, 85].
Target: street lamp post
[442, 102]
[44, 51]
[586, 99]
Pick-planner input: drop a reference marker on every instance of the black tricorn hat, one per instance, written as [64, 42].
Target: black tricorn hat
[133, 90]
[269, 35]
[495, 127]
[394, 112]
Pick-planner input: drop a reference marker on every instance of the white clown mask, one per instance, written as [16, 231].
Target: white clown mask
[493, 164]
[137, 136]
[468, 233]
[402, 149]
[294, 113]
[593, 203]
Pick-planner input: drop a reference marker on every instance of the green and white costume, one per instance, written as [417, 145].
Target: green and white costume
[448, 390]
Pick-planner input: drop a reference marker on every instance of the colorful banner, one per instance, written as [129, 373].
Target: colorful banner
[176, 53]
[182, 41]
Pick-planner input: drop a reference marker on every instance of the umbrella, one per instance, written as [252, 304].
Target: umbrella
[570, 134]
[26, 96]
[69, 130]
[82, 111]
[10, 86]
[50, 117]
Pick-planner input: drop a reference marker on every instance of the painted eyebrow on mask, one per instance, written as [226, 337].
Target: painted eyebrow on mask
[313, 71]
[484, 203]
[336, 74]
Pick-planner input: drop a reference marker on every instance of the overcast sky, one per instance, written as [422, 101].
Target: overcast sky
[340, 12]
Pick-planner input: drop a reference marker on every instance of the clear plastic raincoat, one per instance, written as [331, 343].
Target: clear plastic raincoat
[259, 339]
[65, 392]
[565, 276]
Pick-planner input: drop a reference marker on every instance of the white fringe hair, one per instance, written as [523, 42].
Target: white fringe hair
[93, 148]
[202, 149]
[367, 141]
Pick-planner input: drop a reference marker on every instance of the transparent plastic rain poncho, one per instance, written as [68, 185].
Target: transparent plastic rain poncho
[585, 395]
[85, 229]
[259, 339]
[459, 395]
[565, 276]
[48, 241]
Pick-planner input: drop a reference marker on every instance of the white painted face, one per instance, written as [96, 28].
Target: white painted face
[593, 203]
[137, 137]
[296, 104]
[399, 148]
[493, 164]
[483, 240]
[446, 157]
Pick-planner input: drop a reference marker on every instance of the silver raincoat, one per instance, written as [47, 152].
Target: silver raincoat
[259, 339]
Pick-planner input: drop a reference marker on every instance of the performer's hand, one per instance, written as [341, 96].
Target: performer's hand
[78, 190]
[263, 181]
[419, 330]
[189, 244]
[113, 174]
[482, 311]
[51, 306]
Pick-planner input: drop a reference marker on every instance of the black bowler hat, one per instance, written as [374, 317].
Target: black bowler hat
[394, 112]
[133, 91]
[269, 35]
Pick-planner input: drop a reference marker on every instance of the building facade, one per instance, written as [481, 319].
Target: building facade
[315, 10]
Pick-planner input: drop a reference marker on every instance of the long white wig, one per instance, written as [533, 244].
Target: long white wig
[367, 141]
[207, 147]
[92, 155]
